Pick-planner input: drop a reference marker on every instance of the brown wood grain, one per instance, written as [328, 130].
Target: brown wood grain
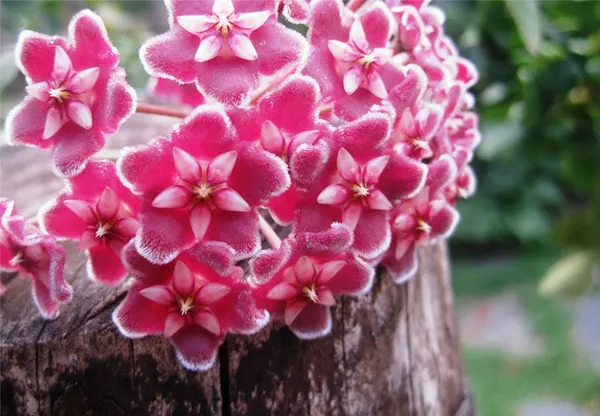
[392, 352]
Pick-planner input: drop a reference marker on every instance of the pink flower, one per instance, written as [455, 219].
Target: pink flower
[349, 57]
[209, 188]
[416, 129]
[25, 250]
[285, 123]
[185, 94]
[100, 213]
[296, 11]
[362, 182]
[225, 47]
[77, 93]
[298, 283]
[421, 221]
[189, 303]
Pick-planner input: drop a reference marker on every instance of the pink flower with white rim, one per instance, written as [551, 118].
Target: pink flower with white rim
[348, 52]
[361, 184]
[421, 221]
[184, 94]
[77, 93]
[224, 27]
[415, 130]
[25, 250]
[285, 123]
[100, 213]
[210, 187]
[187, 302]
[298, 284]
[225, 47]
[359, 62]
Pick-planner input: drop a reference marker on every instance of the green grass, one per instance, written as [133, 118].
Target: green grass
[499, 382]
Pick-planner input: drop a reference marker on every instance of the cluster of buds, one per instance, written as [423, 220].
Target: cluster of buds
[357, 137]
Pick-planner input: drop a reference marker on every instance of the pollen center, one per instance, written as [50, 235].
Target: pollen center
[423, 226]
[366, 61]
[17, 259]
[186, 305]
[202, 191]
[360, 191]
[310, 293]
[60, 94]
[102, 230]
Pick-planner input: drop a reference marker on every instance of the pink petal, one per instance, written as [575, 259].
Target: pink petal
[305, 271]
[35, 54]
[88, 240]
[116, 245]
[382, 55]
[183, 279]
[82, 209]
[79, 113]
[353, 79]
[62, 222]
[355, 279]
[374, 168]
[241, 45]
[376, 23]
[197, 24]
[444, 222]
[237, 229]
[330, 270]
[91, 45]
[200, 217]
[347, 166]
[342, 51]
[280, 50]
[138, 316]
[325, 297]
[378, 201]
[312, 322]
[441, 173]
[39, 91]
[364, 137]
[62, 65]
[283, 291]
[326, 21]
[173, 197]
[251, 21]
[229, 200]
[207, 320]
[54, 121]
[224, 7]
[405, 222]
[108, 204]
[402, 246]
[104, 265]
[210, 46]
[403, 269]
[335, 194]
[219, 256]
[293, 309]
[271, 138]
[351, 215]
[158, 294]
[211, 293]
[196, 347]
[357, 35]
[228, 80]
[375, 84]
[187, 167]
[306, 137]
[126, 227]
[174, 322]
[47, 306]
[172, 55]
[402, 178]
[372, 235]
[282, 208]
[83, 81]
[220, 168]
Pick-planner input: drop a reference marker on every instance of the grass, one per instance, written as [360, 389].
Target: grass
[499, 382]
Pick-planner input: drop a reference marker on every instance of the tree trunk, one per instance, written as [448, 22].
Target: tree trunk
[394, 351]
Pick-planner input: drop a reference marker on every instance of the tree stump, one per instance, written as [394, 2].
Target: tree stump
[394, 351]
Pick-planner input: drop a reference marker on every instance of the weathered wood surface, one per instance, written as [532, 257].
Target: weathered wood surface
[392, 352]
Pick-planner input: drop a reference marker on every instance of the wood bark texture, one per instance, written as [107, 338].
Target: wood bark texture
[394, 351]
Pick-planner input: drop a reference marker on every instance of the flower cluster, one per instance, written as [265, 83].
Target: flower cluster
[357, 138]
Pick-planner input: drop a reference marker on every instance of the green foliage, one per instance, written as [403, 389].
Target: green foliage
[539, 163]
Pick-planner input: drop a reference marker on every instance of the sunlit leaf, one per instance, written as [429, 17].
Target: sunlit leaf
[527, 16]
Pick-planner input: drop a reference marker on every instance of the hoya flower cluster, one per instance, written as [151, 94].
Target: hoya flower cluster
[357, 137]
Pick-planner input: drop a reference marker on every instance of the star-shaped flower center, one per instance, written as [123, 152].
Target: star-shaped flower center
[186, 305]
[17, 259]
[311, 293]
[224, 27]
[423, 226]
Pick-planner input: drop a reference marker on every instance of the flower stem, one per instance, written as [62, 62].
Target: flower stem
[269, 233]
[160, 110]
[353, 5]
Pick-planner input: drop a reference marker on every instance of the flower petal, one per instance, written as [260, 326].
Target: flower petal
[224, 7]
[312, 322]
[62, 65]
[211, 293]
[187, 167]
[38, 90]
[335, 194]
[330, 270]
[126, 227]
[305, 270]
[108, 204]
[378, 201]
[251, 21]
[271, 138]
[82, 209]
[88, 240]
[352, 214]
[158, 294]
[283, 291]
[79, 113]
[196, 347]
[241, 45]
[138, 316]
[229, 200]
[200, 217]
[54, 121]
[207, 320]
[347, 166]
[353, 79]
[83, 81]
[174, 322]
[293, 309]
[183, 279]
[374, 169]
[220, 168]
[197, 24]
[325, 297]
[173, 197]
[210, 46]
[104, 265]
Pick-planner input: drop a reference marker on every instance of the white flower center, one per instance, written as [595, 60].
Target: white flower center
[360, 191]
[310, 293]
[186, 305]
[17, 259]
[103, 230]
[423, 226]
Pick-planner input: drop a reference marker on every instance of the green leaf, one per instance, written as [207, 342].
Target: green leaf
[570, 276]
[527, 16]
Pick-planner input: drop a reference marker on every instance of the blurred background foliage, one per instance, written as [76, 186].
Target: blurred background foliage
[538, 166]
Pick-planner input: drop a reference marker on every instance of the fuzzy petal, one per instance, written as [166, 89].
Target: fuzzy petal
[138, 316]
[196, 347]
[312, 322]
[105, 266]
